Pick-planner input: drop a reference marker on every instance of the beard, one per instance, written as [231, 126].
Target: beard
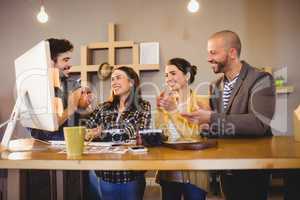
[220, 65]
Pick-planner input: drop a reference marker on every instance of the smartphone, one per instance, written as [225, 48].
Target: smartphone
[138, 149]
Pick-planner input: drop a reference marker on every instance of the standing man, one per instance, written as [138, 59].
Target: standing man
[69, 91]
[73, 98]
[243, 104]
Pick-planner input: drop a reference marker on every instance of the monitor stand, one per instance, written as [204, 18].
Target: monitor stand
[26, 144]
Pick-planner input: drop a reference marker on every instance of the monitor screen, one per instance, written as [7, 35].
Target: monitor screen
[35, 87]
[35, 104]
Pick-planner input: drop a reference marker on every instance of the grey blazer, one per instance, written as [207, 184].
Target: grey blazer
[251, 106]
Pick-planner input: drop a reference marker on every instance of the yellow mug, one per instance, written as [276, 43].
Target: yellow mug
[74, 138]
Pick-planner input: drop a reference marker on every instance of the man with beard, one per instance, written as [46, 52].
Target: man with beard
[243, 104]
[70, 92]
[74, 99]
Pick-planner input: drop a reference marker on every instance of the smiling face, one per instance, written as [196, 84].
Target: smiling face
[120, 83]
[218, 55]
[175, 79]
[63, 62]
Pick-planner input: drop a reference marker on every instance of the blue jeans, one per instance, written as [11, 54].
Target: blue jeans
[94, 192]
[174, 191]
[133, 190]
[103, 190]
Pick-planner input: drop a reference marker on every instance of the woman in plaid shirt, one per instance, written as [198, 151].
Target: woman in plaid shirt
[126, 111]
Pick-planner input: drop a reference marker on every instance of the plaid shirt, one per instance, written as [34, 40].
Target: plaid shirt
[130, 120]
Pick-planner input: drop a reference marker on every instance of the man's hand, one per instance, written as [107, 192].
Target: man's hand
[85, 99]
[73, 100]
[198, 117]
[204, 127]
[166, 102]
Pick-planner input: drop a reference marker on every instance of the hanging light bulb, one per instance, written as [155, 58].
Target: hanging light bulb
[193, 6]
[42, 16]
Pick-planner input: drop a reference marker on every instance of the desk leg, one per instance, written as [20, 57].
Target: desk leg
[59, 185]
[13, 184]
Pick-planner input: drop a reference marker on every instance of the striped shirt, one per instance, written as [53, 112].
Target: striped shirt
[228, 87]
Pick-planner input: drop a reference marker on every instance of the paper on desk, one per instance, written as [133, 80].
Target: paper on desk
[57, 144]
[98, 144]
[101, 150]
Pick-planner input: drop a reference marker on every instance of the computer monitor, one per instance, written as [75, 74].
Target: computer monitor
[35, 102]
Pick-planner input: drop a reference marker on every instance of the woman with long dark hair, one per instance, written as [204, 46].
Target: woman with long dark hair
[127, 111]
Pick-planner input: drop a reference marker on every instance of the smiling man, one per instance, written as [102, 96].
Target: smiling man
[243, 99]
[243, 105]
[69, 91]
[70, 94]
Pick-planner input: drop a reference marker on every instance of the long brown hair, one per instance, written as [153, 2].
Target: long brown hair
[135, 95]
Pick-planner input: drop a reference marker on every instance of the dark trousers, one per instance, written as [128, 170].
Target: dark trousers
[292, 185]
[245, 185]
[174, 191]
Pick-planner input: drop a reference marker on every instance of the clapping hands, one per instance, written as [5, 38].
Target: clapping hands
[167, 101]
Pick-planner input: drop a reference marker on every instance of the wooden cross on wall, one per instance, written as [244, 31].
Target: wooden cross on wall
[111, 45]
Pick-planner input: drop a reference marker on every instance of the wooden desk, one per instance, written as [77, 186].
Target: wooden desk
[262, 153]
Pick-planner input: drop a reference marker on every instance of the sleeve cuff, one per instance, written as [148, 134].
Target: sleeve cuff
[214, 117]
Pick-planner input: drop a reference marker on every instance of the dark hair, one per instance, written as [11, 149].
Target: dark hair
[58, 46]
[134, 97]
[184, 66]
[231, 39]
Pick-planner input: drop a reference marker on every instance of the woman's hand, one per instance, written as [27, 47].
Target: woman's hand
[167, 102]
[92, 133]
